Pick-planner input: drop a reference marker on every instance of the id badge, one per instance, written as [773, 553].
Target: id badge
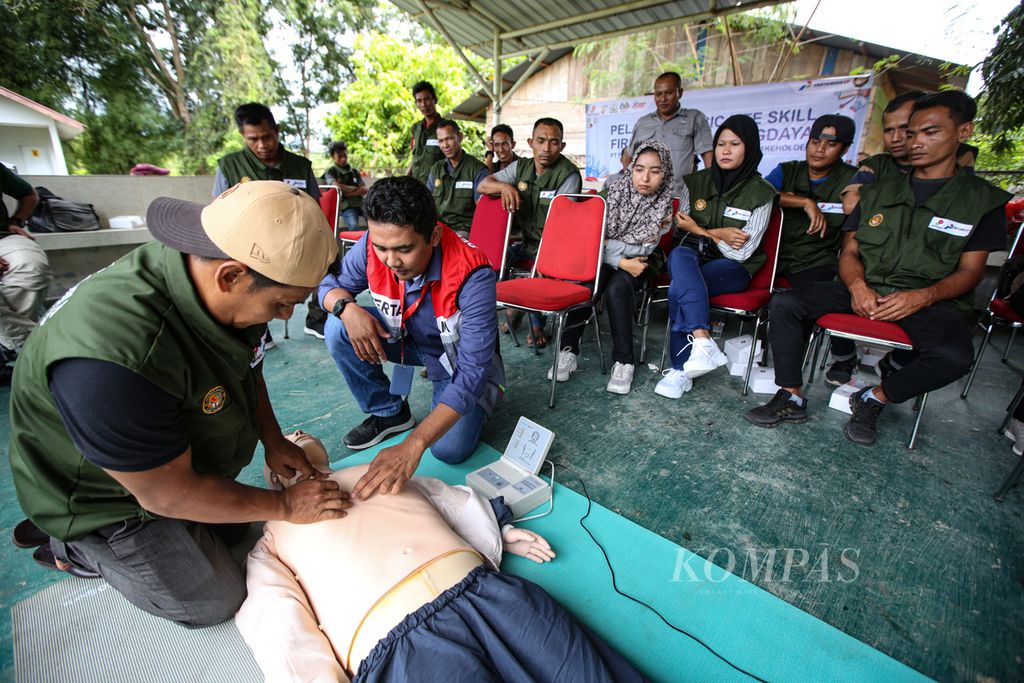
[401, 380]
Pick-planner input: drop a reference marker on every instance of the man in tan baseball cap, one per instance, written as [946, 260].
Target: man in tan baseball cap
[140, 397]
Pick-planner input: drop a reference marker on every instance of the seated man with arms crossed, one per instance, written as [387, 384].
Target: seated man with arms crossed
[406, 587]
[914, 251]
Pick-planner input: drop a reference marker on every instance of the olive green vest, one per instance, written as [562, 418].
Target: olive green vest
[885, 167]
[424, 154]
[535, 194]
[453, 191]
[347, 176]
[899, 249]
[800, 251]
[142, 313]
[244, 165]
[707, 207]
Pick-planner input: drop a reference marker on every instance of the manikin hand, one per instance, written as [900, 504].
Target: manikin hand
[527, 544]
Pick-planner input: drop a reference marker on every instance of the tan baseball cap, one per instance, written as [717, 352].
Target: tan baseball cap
[277, 230]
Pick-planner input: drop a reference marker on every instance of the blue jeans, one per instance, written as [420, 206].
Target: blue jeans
[351, 218]
[688, 293]
[371, 388]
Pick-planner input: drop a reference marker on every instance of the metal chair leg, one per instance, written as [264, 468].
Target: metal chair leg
[824, 356]
[286, 329]
[808, 351]
[767, 339]
[1010, 481]
[977, 358]
[644, 321]
[917, 422]
[1012, 408]
[511, 327]
[559, 324]
[1006, 353]
[750, 358]
[821, 333]
[665, 343]
[597, 333]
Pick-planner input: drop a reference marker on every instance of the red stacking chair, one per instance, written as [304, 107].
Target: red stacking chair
[850, 326]
[751, 303]
[999, 312]
[490, 230]
[569, 255]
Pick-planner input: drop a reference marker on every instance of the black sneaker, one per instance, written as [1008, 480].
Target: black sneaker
[885, 367]
[841, 371]
[375, 429]
[314, 328]
[861, 428]
[779, 409]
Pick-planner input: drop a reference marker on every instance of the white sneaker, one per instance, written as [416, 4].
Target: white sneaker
[674, 384]
[1015, 433]
[704, 357]
[622, 378]
[567, 363]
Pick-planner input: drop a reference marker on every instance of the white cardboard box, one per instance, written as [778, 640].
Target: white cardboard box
[126, 222]
[840, 399]
[737, 349]
[762, 380]
[871, 354]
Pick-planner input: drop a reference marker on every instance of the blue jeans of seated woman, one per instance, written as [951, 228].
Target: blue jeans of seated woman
[688, 293]
[371, 388]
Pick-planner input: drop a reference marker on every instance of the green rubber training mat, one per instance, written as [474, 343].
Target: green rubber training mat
[82, 630]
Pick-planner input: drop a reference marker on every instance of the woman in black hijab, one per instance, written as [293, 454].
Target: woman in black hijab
[730, 206]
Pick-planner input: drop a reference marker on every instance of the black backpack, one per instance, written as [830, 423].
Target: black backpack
[53, 214]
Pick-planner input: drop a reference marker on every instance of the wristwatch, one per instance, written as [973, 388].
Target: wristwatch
[339, 306]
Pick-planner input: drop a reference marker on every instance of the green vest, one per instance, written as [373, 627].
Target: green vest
[885, 167]
[535, 194]
[424, 153]
[347, 176]
[244, 165]
[800, 251]
[453, 191]
[142, 313]
[707, 207]
[899, 249]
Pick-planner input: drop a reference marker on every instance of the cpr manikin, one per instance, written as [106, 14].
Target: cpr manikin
[403, 583]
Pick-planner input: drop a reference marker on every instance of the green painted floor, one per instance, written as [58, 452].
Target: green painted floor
[904, 550]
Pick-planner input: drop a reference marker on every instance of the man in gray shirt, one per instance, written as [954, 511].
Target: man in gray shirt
[684, 131]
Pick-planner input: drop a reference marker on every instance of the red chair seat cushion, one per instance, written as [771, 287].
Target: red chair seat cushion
[351, 235]
[541, 293]
[748, 300]
[782, 282]
[1003, 309]
[854, 324]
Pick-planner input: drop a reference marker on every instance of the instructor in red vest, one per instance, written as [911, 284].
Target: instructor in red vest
[434, 306]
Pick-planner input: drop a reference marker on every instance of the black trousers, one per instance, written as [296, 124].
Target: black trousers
[940, 333]
[841, 348]
[619, 289]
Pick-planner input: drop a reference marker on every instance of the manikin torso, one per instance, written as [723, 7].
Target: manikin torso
[346, 566]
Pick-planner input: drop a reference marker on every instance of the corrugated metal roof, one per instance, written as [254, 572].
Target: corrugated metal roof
[526, 26]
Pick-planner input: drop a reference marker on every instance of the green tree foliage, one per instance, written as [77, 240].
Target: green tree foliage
[1003, 71]
[376, 111]
[158, 80]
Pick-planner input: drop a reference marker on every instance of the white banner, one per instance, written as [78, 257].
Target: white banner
[784, 113]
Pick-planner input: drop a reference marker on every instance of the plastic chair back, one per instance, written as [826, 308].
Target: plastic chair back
[490, 230]
[329, 202]
[572, 243]
[764, 278]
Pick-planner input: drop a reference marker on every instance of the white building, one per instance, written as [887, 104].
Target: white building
[30, 135]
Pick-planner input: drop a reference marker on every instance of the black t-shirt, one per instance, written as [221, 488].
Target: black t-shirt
[989, 235]
[118, 419]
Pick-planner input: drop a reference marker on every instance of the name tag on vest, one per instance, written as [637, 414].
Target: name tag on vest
[738, 214]
[830, 207]
[547, 194]
[950, 227]
[463, 184]
[301, 184]
[432, 142]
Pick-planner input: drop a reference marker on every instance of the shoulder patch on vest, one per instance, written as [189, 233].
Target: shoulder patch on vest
[700, 205]
[523, 185]
[214, 400]
[437, 182]
[876, 220]
[245, 179]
